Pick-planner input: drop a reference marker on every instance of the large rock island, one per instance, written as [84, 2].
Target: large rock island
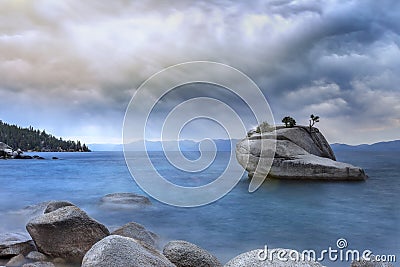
[301, 153]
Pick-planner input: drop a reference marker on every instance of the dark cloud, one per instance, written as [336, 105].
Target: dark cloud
[76, 64]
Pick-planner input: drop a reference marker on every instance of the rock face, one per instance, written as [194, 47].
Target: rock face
[137, 232]
[185, 254]
[299, 155]
[67, 232]
[252, 259]
[12, 244]
[119, 251]
[124, 200]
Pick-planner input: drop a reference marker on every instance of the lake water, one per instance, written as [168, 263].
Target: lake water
[287, 214]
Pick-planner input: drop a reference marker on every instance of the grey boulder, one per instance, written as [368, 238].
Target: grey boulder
[12, 244]
[55, 205]
[67, 232]
[255, 258]
[36, 256]
[119, 251]
[293, 153]
[137, 232]
[16, 261]
[124, 201]
[186, 254]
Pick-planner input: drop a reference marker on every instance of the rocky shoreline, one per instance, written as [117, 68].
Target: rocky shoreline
[63, 235]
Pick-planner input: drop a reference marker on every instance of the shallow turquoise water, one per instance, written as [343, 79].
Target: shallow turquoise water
[288, 214]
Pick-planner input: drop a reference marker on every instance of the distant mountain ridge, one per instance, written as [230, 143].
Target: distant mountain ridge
[225, 145]
[380, 146]
[184, 145]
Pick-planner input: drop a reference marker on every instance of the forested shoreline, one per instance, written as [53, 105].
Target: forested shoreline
[30, 139]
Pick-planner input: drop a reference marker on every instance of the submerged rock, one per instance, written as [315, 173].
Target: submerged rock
[55, 205]
[299, 154]
[67, 232]
[124, 200]
[13, 244]
[255, 258]
[119, 251]
[137, 232]
[32, 210]
[19, 156]
[185, 254]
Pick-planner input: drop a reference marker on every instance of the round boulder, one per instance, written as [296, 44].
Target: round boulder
[185, 254]
[36, 256]
[67, 232]
[137, 232]
[119, 251]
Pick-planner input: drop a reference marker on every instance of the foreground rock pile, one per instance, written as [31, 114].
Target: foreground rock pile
[66, 236]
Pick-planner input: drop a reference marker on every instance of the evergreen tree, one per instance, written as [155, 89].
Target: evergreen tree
[36, 140]
[289, 121]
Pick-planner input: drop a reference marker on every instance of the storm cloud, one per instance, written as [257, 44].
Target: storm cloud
[71, 67]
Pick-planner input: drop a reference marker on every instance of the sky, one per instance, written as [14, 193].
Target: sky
[72, 67]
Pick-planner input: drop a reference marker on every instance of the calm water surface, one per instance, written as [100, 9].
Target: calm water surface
[287, 214]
